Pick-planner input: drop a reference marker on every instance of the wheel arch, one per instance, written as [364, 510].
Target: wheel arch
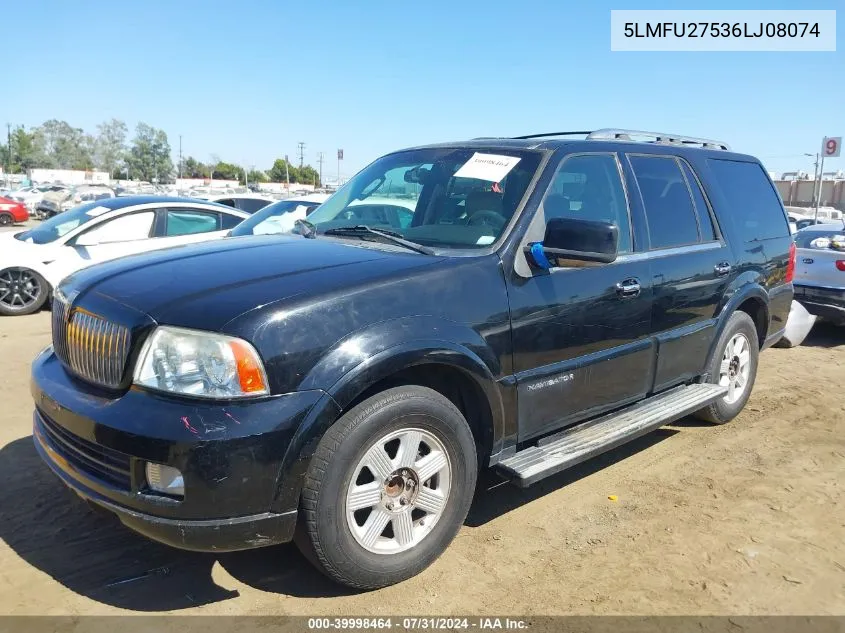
[754, 301]
[445, 366]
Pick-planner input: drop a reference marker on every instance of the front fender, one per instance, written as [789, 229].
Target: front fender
[360, 348]
[365, 358]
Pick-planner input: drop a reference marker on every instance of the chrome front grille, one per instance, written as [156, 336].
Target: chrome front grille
[92, 347]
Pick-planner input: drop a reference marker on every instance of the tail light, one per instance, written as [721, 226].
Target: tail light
[790, 266]
[840, 264]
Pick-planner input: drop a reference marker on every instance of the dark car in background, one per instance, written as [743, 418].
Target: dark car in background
[549, 298]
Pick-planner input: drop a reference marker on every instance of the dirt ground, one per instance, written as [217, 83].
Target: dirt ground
[747, 518]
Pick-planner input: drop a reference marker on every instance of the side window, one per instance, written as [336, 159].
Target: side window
[250, 205]
[705, 222]
[668, 206]
[589, 187]
[230, 221]
[190, 222]
[229, 202]
[126, 228]
[752, 201]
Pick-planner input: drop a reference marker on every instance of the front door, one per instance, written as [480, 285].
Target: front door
[581, 334]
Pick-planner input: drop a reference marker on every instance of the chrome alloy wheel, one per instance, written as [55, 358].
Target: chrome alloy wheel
[398, 491]
[735, 367]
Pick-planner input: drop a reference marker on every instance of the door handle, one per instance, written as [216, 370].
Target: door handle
[722, 268]
[628, 288]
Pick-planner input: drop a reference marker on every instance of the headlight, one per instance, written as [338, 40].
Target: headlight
[165, 479]
[200, 364]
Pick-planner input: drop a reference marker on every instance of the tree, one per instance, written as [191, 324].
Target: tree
[149, 156]
[28, 148]
[226, 171]
[26, 151]
[110, 147]
[192, 168]
[277, 172]
[256, 175]
[308, 175]
[65, 147]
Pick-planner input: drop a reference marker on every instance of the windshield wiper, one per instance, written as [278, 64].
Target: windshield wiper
[361, 230]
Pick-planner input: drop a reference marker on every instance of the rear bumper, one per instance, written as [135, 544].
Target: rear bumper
[827, 303]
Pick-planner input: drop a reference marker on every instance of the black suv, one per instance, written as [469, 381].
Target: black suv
[515, 304]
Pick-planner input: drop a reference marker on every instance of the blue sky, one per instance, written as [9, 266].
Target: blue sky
[247, 80]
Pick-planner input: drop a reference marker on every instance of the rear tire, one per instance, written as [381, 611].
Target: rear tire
[734, 364]
[6, 219]
[388, 488]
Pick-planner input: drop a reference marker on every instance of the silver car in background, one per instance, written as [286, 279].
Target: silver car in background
[820, 270]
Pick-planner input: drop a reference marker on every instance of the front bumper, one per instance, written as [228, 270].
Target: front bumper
[827, 303]
[231, 456]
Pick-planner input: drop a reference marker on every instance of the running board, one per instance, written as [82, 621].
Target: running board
[578, 443]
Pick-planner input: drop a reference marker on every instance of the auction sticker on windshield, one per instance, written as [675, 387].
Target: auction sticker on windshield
[490, 167]
[96, 211]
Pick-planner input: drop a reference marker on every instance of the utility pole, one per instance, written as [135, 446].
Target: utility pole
[287, 174]
[301, 146]
[8, 151]
[180, 162]
[339, 158]
[320, 160]
[821, 185]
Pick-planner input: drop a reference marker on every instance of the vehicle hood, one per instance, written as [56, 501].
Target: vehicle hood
[56, 196]
[206, 285]
[11, 248]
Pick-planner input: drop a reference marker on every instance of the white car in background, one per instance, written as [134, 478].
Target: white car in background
[32, 262]
[31, 196]
[377, 212]
[279, 217]
[819, 281]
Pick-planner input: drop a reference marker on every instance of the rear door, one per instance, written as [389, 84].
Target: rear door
[691, 265]
[580, 335]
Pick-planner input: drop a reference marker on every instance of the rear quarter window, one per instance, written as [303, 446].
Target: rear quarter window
[753, 204]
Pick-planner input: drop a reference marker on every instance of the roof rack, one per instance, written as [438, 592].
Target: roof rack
[656, 137]
[527, 136]
[636, 135]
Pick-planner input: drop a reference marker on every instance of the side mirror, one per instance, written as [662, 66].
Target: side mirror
[578, 240]
[87, 239]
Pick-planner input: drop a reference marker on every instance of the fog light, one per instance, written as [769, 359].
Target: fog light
[165, 479]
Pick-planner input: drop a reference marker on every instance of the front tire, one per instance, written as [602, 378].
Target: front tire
[22, 291]
[734, 365]
[6, 219]
[388, 488]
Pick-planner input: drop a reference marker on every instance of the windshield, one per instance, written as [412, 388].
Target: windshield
[441, 197]
[62, 224]
[278, 217]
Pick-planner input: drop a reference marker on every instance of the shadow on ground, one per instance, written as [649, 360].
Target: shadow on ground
[825, 334]
[92, 554]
